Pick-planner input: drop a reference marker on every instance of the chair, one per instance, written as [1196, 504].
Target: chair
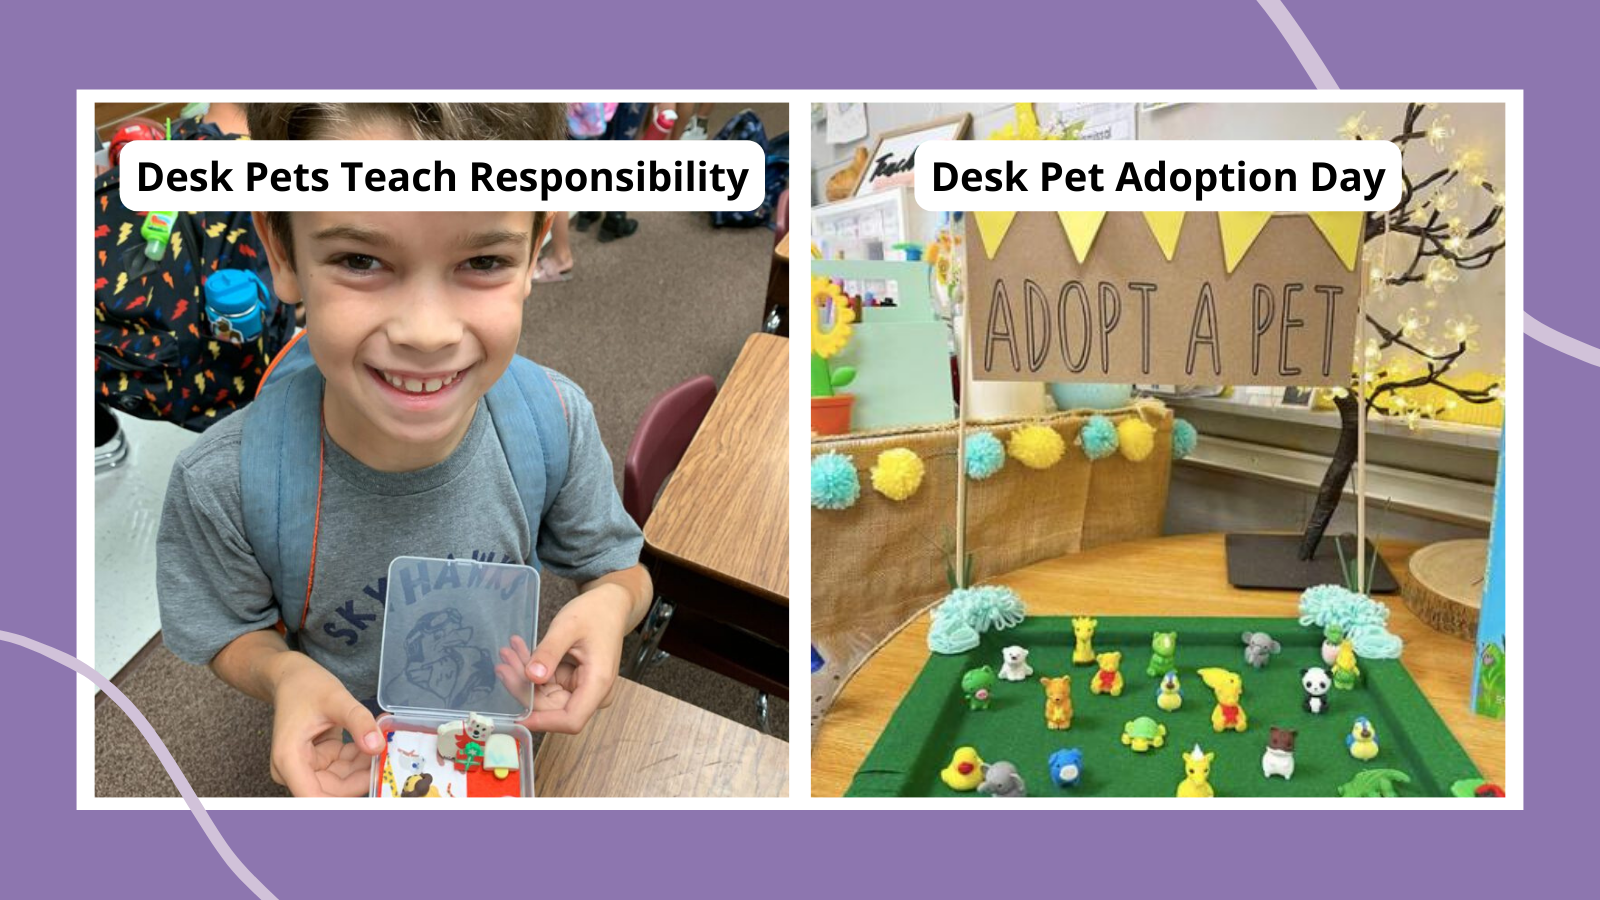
[668, 425]
[665, 430]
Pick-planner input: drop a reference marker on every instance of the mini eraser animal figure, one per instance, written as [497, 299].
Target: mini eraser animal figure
[1196, 774]
[1057, 702]
[1109, 679]
[1345, 671]
[500, 755]
[1143, 733]
[1316, 682]
[965, 771]
[461, 741]
[1001, 779]
[1279, 758]
[1083, 635]
[1332, 637]
[1228, 687]
[1169, 694]
[1374, 783]
[1258, 648]
[419, 786]
[1362, 740]
[978, 685]
[1015, 664]
[1066, 767]
[1163, 653]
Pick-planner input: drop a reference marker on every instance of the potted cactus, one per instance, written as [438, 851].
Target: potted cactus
[831, 316]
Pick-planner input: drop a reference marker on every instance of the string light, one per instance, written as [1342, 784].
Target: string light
[1439, 132]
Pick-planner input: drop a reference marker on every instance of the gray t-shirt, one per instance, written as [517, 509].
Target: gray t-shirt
[212, 590]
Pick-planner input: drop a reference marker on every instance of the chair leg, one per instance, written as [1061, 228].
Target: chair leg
[655, 625]
[763, 713]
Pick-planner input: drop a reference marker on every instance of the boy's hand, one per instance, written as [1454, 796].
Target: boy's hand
[311, 708]
[575, 666]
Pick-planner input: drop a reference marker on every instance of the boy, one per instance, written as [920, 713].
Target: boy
[410, 318]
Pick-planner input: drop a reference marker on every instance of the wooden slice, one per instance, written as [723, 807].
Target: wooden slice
[1445, 586]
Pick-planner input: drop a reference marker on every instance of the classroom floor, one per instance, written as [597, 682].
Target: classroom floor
[697, 292]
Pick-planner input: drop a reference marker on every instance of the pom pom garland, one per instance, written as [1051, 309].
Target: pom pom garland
[1098, 438]
[1184, 438]
[1037, 446]
[898, 473]
[985, 455]
[1135, 439]
[834, 482]
[1364, 620]
[966, 613]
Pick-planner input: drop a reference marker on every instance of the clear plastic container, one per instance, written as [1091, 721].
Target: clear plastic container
[445, 622]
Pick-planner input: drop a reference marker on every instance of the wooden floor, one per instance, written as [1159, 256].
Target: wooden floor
[1172, 576]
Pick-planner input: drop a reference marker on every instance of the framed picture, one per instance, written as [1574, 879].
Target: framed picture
[1297, 396]
[895, 153]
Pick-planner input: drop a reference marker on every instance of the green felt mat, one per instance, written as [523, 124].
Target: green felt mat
[933, 719]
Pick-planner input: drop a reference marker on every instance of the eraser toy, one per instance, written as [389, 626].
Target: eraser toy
[1374, 783]
[1316, 682]
[1229, 687]
[1109, 679]
[1196, 774]
[1143, 734]
[978, 685]
[1345, 671]
[1279, 756]
[1259, 648]
[1057, 702]
[1014, 664]
[1362, 740]
[1001, 779]
[1066, 767]
[1083, 637]
[1163, 653]
[1169, 693]
[965, 771]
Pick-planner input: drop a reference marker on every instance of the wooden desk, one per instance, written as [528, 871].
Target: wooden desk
[1174, 576]
[647, 744]
[717, 542]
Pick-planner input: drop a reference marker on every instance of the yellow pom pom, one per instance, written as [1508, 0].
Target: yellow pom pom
[898, 473]
[1037, 446]
[1135, 439]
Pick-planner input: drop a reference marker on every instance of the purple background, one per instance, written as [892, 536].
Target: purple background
[49, 849]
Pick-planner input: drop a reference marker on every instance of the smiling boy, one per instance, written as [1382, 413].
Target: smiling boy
[411, 318]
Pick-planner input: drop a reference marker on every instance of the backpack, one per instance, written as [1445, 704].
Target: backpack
[280, 464]
[746, 126]
[155, 356]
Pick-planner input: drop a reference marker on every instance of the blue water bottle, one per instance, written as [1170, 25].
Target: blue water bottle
[235, 304]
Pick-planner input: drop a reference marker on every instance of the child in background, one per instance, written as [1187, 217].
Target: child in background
[411, 317]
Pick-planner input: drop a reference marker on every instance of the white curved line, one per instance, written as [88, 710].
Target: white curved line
[1559, 342]
[1300, 44]
[240, 871]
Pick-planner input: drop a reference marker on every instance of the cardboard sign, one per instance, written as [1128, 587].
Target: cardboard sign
[1285, 315]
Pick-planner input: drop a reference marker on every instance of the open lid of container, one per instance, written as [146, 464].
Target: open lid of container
[445, 622]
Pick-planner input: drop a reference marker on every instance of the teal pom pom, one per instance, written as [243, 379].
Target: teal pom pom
[1184, 437]
[985, 455]
[834, 482]
[1098, 438]
[966, 613]
[1364, 620]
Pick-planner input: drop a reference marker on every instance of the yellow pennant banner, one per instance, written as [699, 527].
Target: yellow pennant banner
[992, 227]
[1166, 226]
[1344, 232]
[1239, 231]
[1081, 228]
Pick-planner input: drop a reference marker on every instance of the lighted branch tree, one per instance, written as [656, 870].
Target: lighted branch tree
[1426, 229]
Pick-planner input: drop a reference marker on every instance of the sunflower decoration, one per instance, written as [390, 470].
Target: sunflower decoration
[825, 295]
